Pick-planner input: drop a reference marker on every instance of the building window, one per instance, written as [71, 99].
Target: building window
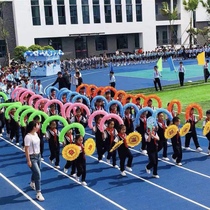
[129, 12]
[48, 12]
[96, 11]
[118, 11]
[61, 12]
[136, 38]
[107, 11]
[2, 48]
[73, 11]
[35, 12]
[101, 43]
[138, 11]
[85, 12]
[165, 37]
[56, 43]
[122, 41]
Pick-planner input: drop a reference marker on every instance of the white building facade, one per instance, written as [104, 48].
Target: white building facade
[84, 28]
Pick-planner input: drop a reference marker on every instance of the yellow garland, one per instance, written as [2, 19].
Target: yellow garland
[185, 129]
[133, 139]
[89, 146]
[206, 129]
[116, 146]
[70, 152]
[171, 131]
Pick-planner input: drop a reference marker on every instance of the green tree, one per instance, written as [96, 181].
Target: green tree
[35, 47]
[48, 47]
[172, 16]
[191, 6]
[206, 5]
[19, 52]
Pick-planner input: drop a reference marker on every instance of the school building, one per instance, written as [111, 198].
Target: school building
[84, 28]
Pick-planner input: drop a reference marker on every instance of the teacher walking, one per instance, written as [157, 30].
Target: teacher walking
[33, 157]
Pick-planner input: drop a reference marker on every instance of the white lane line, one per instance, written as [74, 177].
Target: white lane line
[88, 188]
[19, 190]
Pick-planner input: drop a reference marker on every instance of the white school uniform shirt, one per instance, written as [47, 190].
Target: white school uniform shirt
[157, 74]
[112, 79]
[181, 69]
[206, 66]
[39, 89]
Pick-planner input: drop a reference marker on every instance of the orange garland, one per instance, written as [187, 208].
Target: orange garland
[118, 93]
[133, 98]
[99, 89]
[178, 103]
[105, 89]
[197, 107]
[153, 97]
[89, 90]
[81, 86]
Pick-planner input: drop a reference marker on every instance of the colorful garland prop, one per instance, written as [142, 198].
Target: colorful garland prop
[48, 90]
[19, 93]
[118, 144]
[74, 99]
[132, 105]
[22, 116]
[108, 88]
[54, 101]
[38, 113]
[153, 97]
[107, 117]
[32, 98]
[71, 95]
[19, 110]
[132, 99]
[25, 94]
[64, 108]
[88, 91]
[71, 126]
[206, 128]
[9, 108]
[53, 118]
[81, 86]
[70, 152]
[41, 100]
[171, 131]
[61, 92]
[60, 95]
[82, 106]
[133, 139]
[99, 91]
[16, 92]
[92, 116]
[9, 104]
[119, 105]
[92, 104]
[4, 96]
[197, 107]
[89, 146]
[179, 106]
[185, 129]
[140, 95]
[118, 93]
[165, 111]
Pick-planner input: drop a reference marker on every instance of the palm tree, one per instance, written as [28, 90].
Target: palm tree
[191, 6]
[206, 5]
[172, 15]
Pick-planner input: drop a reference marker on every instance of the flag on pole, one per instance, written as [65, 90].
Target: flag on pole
[160, 64]
[111, 67]
[171, 64]
[201, 58]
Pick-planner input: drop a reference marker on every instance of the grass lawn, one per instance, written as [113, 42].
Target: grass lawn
[195, 92]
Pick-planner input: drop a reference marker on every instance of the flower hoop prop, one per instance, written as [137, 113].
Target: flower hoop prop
[119, 105]
[118, 93]
[132, 99]
[4, 96]
[195, 106]
[179, 106]
[206, 129]
[171, 131]
[48, 90]
[89, 146]
[32, 98]
[15, 92]
[84, 98]
[41, 100]
[60, 94]
[99, 90]
[153, 97]
[25, 94]
[132, 105]
[92, 116]
[118, 144]
[140, 96]
[19, 110]
[133, 139]
[24, 113]
[38, 113]
[165, 111]
[88, 91]
[81, 86]
[9, 108]
[108, 88]
[54, 101]
[9, 104]
[73, 107]
[92, 104]
[70, 152]
[185, 129]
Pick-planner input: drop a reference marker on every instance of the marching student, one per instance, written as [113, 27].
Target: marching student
[206, 70]
[128, 121]
[162, 144]
[80, 162]
[110, 134]
[99, 137]
[138, 103]
[149, 104]
[181, 71]
[52, 111]
[52, 94]
[141, 128]
[54, 145]
[69, 139]
[123, 150]
[177, 144]
[157, 76]
[192, 132]
[39, 88]
[152, 139]
[204, 123]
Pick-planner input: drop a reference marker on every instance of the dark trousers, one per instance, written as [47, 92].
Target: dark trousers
[181, 78]
[7, 126]
[208, 137]
[55, 154]
[113, 156]
[163, 145]
[206, 74]
[101, 149]
[123, 154]
[143, 143]
[2, 121]
[72, 165]
[177, 152]
[153, 161]
[157, 81]
[41, 146]
[23, 133]
[81, 168]
[15, 133]
[113, 85]
[192, 135]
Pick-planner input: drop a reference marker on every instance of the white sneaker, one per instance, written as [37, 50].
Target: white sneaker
[84, 183]
[129, 168]
[147, 170]
[2, 130]
[42, 158]
[199, 149]
[58, 167]
[156, 176]
[187, 148]
[208, 152]
[165, 158]
[39, 196]
[11, 140]
[100, 161]
[65, 170]
[17, 144]
[116, 166]
[173, 159]
[77, 178]
[123, 173]
[108, 161]
[144, 152]
[179, 164]
[32, 185]
[51, 161]
[103, 156]
[1, 134]
[73, 175]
